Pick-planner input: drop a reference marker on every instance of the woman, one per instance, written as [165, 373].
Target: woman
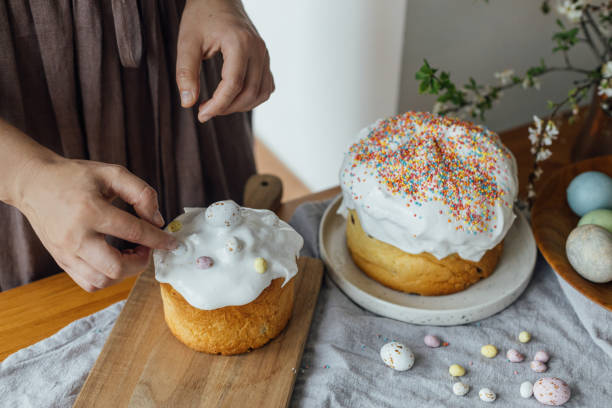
[89, 112]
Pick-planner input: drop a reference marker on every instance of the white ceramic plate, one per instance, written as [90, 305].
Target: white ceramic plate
[477, 302]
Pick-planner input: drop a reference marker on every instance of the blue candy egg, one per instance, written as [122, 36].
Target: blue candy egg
[589, 191]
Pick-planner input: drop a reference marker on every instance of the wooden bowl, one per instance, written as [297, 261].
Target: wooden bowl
[552, 221]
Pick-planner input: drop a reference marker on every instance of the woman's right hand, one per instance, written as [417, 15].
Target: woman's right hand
[68, 203]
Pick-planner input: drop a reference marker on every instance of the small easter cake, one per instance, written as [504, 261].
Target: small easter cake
[428, 202]
[228, 288]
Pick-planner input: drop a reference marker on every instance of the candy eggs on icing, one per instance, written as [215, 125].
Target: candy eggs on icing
[589, 250]
[204, 262]
[487, 395]
[460, 388]
[260, 265]
[397, 356]
[538, 366]
[526, 389]
[601, 217]
[551, 391]
[489, 351]
[524, 337]
[541, 356]
[456, 370]
[223, 213]
[233, 245]
[431, 341]
[514, 356]
[175, 226]
[589, 191]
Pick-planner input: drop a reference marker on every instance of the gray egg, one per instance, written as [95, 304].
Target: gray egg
[589, 250]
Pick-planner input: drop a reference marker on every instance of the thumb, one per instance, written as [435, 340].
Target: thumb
[188, 61]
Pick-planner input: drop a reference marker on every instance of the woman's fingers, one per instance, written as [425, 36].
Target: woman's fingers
[188, 60]
[267, 87]
[86, 276]
[233, 76]
[250, 90]
[110, 261]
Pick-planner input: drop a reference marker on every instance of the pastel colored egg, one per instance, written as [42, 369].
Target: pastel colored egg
[431, 341]
[204, 262]
[524, 337]
[551, 391]
[233, 245]
[489, 351]
[456, 370]
[601, 217]
[487, 395]
[589, 251]
[526, 389]
[541, 356]
[175, 226]
[397, 356]
[514, 356]
[589, 191]
[223, 214]
[538, 366]
[260, 265]
[460, 388]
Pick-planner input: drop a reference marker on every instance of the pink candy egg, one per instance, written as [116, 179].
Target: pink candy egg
[551, 391]
[431, 341]
[514, 356]
[542, 356]
[204, 262]
[538, 366]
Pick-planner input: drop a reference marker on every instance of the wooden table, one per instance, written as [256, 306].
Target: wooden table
[37, 310]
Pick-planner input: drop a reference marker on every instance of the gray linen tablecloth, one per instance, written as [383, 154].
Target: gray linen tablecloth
[341, 366]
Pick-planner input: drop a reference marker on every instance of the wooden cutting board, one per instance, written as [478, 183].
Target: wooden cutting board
[143, 365]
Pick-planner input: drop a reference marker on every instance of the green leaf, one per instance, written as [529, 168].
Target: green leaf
[423, 87]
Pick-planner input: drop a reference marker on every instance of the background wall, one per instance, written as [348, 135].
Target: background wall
[341, 64]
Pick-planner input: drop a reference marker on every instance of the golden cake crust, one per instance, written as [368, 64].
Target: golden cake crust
[231, 329]
[422, 274]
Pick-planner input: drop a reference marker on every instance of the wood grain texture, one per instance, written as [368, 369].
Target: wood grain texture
[553, 220]
[143, 365]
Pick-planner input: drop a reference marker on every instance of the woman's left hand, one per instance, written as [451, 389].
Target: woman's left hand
[211, 26]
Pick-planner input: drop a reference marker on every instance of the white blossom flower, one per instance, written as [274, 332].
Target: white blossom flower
[550, 133]
[572, 10]
[505, 77]
[605, 88]
[575, 110]
[531, 83]
[530, 191]
[543, 154]
[537, 172]
[606, 69]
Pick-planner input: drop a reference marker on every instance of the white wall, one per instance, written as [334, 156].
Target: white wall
[341, 64]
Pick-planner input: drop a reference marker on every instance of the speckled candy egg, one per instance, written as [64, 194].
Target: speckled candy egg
[223, 214]
[524, 337]
[589, 250]
[589, 191]
[489, 351]
[487, 395]
[538, 366]
[397, 356]
[460, 388]
[514, 356]
[456, 370]
[551, 391]
[601, 217]
[542, 356]
[431, 341]
[233, 245]
[526, 389]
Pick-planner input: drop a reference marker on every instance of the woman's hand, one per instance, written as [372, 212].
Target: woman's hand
[211, 26]
[68, 203]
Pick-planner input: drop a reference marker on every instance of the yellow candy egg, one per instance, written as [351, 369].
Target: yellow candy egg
[260, 265]
[489, 351]
[175, 226]
[524, 337]
[456, 370]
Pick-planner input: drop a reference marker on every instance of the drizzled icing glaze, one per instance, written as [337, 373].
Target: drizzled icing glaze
[425, 183]
[213, 266]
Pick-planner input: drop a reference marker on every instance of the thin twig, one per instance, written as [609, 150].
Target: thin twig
[601, 37]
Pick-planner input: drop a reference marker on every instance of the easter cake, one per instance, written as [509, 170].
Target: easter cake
[228, 288]
[428, 202]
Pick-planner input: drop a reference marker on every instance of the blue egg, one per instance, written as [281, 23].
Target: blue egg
[589, 191]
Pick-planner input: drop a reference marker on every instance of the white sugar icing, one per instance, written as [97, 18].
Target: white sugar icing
[233, 237]
[429, 184]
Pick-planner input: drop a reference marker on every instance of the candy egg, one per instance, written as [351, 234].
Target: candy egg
[589, 191]
[175, 226]
[456, 370]
[487, 395]
[431, 341]
[541, 356]
[223, 214]
[260, 265]
[538, 366]
[204, 262]
[460, 388]
[514, 356]
[551, 391]
[589, 250]
[526, 389]
[489, 351]
[601, 217]
[397, 356]
[524, 337]
[233, 245]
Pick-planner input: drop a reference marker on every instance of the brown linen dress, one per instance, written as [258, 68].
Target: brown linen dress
[94, 79]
